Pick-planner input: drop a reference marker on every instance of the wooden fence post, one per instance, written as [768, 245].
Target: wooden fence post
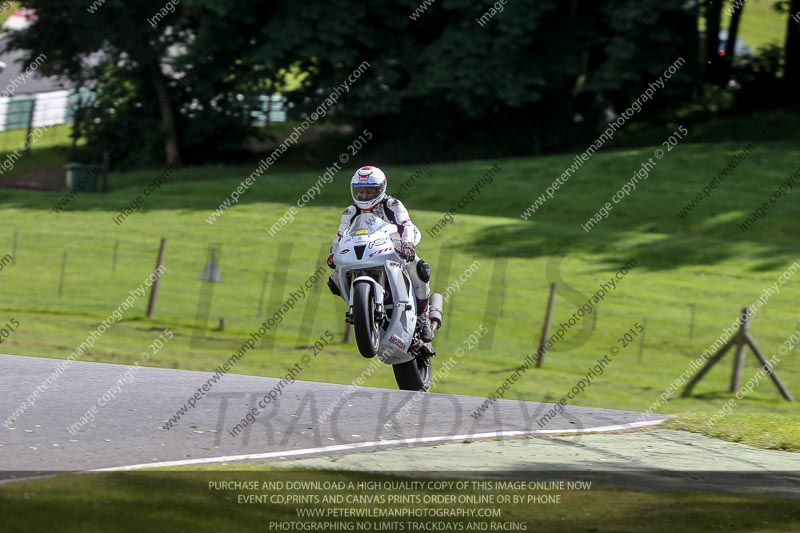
[741, 339]
[546, 329]
[741, 343]
[63, 268]
[641, 339]
[29, 133]
[151, 306]
[114, 258]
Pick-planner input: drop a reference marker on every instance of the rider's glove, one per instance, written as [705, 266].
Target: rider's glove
[330, 262]
[407, 251]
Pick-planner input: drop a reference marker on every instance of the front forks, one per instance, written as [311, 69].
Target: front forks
[380, 316]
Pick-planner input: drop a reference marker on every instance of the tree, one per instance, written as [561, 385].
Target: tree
[733, 35]
[459, 80]
[538, 76]
[792, 47]
[714, 63]
[117, 42]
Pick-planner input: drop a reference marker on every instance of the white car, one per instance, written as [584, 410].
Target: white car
[21, 19]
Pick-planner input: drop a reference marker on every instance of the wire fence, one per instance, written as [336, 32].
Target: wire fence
[83, 274]
[62, 273]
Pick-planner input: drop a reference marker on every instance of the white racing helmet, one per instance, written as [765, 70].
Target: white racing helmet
[368, 187]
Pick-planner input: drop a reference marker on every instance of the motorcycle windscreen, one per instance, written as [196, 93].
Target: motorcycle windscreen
[366, 224]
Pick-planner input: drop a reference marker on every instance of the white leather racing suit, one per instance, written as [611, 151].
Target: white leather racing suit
[392, 211]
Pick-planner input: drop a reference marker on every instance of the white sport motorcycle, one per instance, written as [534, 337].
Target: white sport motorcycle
[382, 306]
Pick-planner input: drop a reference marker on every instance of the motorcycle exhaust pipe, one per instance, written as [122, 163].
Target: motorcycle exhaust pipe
[435, 312]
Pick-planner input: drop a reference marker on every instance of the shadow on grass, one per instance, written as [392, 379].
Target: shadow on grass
[646, 227]
[38, 157]
[657, 253]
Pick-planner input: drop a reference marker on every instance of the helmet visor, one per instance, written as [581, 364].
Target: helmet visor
[366, 193]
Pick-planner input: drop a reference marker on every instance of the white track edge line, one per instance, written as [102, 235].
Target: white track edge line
[375, 444]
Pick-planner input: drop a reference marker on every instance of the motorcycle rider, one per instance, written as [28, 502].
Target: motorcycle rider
[368, 189]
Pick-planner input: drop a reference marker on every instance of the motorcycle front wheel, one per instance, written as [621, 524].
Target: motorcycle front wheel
[367, 331]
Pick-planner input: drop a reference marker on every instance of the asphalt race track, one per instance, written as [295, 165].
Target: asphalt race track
[130, 414]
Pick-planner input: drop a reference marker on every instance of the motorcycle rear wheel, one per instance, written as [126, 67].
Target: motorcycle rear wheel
[413, 375]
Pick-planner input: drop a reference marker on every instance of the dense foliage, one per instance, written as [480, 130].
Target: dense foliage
[451, 78]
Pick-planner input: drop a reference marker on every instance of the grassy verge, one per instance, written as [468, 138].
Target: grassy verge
[164, 501]
[761, 430]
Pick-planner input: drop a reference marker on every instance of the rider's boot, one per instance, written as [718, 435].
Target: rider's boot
[423, 321]
[333, 287]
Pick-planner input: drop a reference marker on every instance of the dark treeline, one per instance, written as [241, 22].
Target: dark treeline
[176, 81]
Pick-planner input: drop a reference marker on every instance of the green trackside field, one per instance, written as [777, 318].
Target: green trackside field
[169, 501]
[761, 25]
[703, 261]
